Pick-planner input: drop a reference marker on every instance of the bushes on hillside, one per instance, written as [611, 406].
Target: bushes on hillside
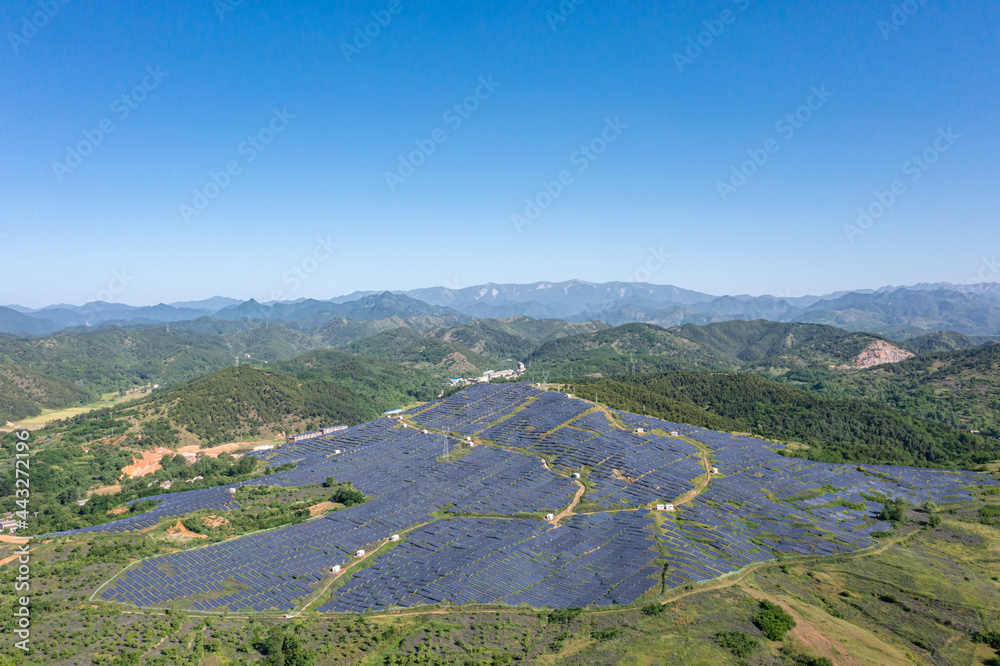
[773, 620]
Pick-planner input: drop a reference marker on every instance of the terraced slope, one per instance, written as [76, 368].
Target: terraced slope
[467, 482]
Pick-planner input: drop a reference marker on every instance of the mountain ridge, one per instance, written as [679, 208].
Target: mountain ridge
[897, 312]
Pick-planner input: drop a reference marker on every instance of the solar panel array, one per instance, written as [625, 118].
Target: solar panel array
[760, 505]
[599, 559]
[168, 506]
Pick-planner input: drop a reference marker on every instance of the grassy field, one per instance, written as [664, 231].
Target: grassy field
[49, 415]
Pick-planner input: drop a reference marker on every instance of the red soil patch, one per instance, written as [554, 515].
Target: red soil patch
[106, 490]
[321, 508]
[8, 560]
[183, 531]
[149, 463]
[214, 521]
[7, 538]
[215, 450]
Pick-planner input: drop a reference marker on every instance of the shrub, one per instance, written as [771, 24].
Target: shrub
[605, 634]
[740, 644]
[348, 496]
[893, 510]
[564, 615]
[806, 660]
[773, 620]
[653, 609]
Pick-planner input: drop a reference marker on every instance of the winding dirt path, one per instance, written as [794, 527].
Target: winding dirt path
[8, 560]
[692, 494]
[568, 511]
[369, 553]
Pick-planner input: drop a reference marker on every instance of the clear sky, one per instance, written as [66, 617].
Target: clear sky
[312, 119]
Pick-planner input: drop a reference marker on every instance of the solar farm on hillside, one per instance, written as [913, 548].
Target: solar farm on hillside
[557, 503]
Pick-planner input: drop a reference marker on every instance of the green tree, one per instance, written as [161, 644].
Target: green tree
[773, 620]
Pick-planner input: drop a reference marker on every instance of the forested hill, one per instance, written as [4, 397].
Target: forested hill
[321, 388]
[834, 430]
[94, 362]
[23, 391]
[958, 388]
[763, 346]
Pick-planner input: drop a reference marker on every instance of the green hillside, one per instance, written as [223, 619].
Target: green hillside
[112, 359]
[409, 347]
[834, 430]
[322, 388]
[24, 393]
[940, 341]
[513, 337]
[772, 343]
[958, 388]
[611, 352]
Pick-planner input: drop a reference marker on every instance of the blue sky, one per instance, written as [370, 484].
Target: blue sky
[619, 100]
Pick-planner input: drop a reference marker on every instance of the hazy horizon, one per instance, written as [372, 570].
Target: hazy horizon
[184, 300]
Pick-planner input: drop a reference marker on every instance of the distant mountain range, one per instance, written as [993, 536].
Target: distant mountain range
[897, 312]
